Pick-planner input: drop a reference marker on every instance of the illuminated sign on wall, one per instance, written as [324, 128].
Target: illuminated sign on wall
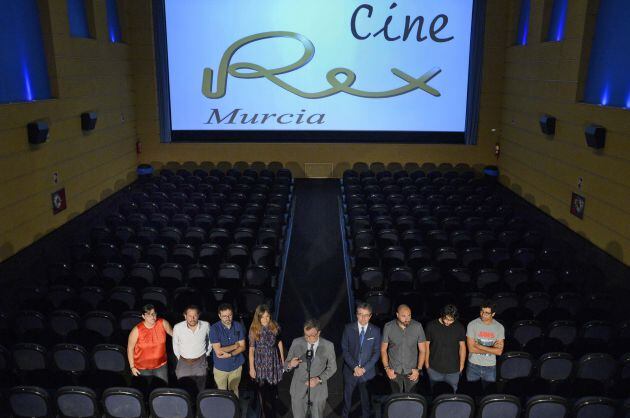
[330, 65]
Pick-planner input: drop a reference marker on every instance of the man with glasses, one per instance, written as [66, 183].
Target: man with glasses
[446, 348]
[403, 350]
[361, 343]
[323, 366]
[484, 337]
[191, 347]
[228, 343]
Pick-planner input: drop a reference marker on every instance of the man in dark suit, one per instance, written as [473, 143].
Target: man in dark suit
[361, 344]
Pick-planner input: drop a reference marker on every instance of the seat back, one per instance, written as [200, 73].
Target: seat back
[170, 403]
[405, 405]
[555, 366]
[109, 357]
[214, 403]
[596, 366]
[594, 407]
[70, 358]
[121, 402]
[29, 357]
[546, 406]
[76, 402]
[29, 401]
[514, 365]
[499, 406]
[525, 331]
[453, 406]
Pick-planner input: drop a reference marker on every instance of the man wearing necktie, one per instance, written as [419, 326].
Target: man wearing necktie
[323, 366]
[360, 344]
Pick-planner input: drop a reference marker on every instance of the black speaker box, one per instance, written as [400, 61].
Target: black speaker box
[595, 136]
[88, 121]
[37, 132]
[548, 124]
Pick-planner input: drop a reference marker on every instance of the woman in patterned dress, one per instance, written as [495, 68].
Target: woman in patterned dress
[266, 357]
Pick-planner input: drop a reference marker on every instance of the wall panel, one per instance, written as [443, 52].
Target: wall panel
[90, 75]
[543, 77]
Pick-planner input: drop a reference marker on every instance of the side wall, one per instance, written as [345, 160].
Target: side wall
[86, 75]
[294, 156]
[546, 77]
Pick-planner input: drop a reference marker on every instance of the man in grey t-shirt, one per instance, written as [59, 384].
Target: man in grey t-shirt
[403, 350]
[484, 337]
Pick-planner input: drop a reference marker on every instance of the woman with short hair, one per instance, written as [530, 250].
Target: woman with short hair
[146, 346]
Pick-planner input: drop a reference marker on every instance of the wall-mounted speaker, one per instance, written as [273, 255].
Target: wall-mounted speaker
[547, 124]
[88, 121]
[595, 136]
[37, 132]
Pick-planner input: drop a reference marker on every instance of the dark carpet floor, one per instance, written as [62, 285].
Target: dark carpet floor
[314, 284]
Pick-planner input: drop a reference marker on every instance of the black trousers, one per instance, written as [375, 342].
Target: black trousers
[350, 384]
[268, 399]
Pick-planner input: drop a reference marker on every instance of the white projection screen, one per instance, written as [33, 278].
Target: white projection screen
[325, 70]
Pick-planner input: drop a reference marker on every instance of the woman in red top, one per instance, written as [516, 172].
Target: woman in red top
[146, 348]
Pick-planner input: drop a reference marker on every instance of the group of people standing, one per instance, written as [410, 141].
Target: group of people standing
[194, 340]
[404, 349]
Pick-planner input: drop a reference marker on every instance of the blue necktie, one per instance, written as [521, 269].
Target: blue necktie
[362, 336]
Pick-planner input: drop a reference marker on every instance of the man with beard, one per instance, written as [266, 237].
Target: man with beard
[403, 350]
[485, 338]
[228, 342]
[191, 347]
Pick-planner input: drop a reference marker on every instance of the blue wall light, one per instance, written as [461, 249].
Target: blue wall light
[113, 23]
[558, 21]
[77, 17]
[605, 95]
[523, 23]
[23, 68]
[608, 81]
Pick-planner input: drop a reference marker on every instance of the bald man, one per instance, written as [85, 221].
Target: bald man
[403, 350]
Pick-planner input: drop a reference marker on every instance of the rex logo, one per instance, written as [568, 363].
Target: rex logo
[336, 86]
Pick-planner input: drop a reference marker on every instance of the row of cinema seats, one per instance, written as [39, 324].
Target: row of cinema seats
[519, 374]
[109, 314]
[426, 239]
[553, 374]
[247, 229]
[467, 226]
[243, 251]
[119, 402]
[120, 299]
[165, 244]
[73, 401]
[499, 254]
[597, 309]
[99, 367]
[534, 336]
[169, 242]
[504, 406]
[241, 269]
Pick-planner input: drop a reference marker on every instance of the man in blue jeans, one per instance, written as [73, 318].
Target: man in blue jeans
[484, 337]
[446, 348]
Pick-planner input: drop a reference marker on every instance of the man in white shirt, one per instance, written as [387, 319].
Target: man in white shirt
[191, 347]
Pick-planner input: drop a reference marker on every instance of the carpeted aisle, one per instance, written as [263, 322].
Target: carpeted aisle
[314, 285]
